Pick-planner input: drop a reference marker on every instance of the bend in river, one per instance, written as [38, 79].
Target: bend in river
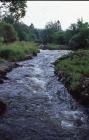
[39, 106]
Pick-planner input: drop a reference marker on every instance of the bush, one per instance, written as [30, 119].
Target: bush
[9, 33]
[58, 38]
[80, 40]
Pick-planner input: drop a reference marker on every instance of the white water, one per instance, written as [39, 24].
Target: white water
[39, 106]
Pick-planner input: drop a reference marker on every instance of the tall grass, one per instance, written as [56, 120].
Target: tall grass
[74, 66]
[17, 50]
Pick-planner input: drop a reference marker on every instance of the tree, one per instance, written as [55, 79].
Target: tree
[51, 28]
[58, 38]
[9, 19]
[8, 32]
[14, 8]
[75, 29]
[54, 26]
[80, 40]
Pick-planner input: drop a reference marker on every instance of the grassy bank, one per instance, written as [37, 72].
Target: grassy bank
[56, 47]
[73, 70]
[18, 50]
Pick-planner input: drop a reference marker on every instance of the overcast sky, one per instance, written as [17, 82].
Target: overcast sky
[41, 12]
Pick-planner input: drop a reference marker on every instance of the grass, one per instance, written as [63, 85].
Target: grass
[55, 47]
[74, 66]
[18, 50]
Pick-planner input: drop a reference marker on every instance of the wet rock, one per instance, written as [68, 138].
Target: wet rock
[84, 90]
[29, 56]
[1, 81]
[6, 67]
[2, 72]
[78, 122]
[2, 75]
[3, 108]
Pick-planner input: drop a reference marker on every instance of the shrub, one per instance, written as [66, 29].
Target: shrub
[9, 33]
[58, 38]
[80, 40]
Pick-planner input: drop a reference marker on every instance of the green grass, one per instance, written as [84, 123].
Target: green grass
[18, 50]
[74, 66]
[56, 47]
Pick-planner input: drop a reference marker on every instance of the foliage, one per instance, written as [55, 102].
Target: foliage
[9, 19]
[56, 47]
[50, 29]
[15, 8]
[25, 33]
[55, 26]
[73, 67]
[8, 32]
[58, 38]
[80, 40]
[76, 36]
[18, 50]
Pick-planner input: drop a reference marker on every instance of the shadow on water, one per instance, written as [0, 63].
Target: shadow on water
[38, 105]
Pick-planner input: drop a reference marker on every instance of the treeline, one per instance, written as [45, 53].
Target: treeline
[75, 37]
[11, 30]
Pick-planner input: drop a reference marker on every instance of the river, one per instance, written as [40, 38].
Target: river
[38, 105]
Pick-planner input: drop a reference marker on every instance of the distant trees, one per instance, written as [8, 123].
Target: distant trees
[54, 26]
[50, 29]
[76, 36]
[58, 38]
[24, 32]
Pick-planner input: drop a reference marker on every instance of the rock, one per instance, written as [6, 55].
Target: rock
[29, 56]
[6, 67]
[16, 65]
[1, 81]
[78, 122]
[2, 72]
[3, 108]
[84, 90]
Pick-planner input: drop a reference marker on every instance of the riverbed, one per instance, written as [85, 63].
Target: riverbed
[39, 107]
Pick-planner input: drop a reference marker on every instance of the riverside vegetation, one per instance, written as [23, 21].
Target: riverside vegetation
[18, 50]
[73, 70]
[19, 41]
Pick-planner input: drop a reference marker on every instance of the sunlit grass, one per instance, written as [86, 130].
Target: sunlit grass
[18, 50]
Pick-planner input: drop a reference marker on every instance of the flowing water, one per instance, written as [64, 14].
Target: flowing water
[38, 105]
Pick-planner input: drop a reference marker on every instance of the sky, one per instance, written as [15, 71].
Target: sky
[67, 12]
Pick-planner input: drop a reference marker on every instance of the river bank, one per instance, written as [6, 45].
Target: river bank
[73, 71]
[51, 46]
[11, 53]
[5, 67]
